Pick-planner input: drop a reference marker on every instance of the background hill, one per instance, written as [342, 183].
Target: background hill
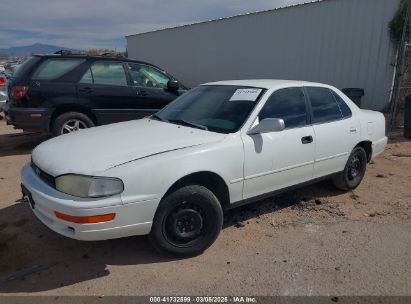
[30, 49]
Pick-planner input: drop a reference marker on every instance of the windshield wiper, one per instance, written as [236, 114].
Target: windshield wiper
[188, 123]
[156, 117]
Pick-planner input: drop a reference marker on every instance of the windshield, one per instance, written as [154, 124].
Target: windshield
[217, 108]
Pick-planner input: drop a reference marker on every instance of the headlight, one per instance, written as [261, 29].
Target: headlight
[89, 186]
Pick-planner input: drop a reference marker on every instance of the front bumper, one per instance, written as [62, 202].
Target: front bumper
[28, 118]
[130, 219]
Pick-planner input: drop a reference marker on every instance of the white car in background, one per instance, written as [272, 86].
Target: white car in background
[219, 145]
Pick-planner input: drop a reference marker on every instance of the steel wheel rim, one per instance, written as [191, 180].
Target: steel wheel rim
[356, 166]
[185, 225]
[73, 125]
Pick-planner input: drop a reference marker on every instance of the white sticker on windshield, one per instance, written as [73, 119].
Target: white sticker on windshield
[246, 94]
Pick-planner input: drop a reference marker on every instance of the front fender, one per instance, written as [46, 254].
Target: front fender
[151, 177]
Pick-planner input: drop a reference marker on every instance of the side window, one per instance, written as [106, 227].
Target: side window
[107, 73]
[52, 69]
[323, 104]
[87, 78]
[288, 104]
[345, 110]
[147, 76]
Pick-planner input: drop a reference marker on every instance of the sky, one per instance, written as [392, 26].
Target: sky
[85, 24]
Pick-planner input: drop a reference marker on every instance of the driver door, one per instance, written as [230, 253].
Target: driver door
[278, 160]
[150, 88]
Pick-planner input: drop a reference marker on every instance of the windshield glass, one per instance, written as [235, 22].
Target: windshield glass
[217, 108]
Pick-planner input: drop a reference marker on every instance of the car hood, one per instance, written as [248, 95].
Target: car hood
[98, 149]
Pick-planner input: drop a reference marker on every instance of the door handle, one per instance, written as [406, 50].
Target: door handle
[141, 93]
[307, 140]
[87, 90]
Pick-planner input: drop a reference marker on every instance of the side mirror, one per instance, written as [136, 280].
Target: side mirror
[173, 85]
[268, 125]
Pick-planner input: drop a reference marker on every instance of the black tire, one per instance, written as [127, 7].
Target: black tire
[354, 170]
[187, 222]
[65, 119]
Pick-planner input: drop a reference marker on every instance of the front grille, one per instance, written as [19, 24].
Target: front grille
[45, 177]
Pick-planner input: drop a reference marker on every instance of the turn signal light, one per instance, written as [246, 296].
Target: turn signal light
[85, 219]
[2, 81]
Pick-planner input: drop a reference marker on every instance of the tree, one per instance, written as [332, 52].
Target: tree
[106, 52]
[397, 23]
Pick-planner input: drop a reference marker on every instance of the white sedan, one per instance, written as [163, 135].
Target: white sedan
[218, 146]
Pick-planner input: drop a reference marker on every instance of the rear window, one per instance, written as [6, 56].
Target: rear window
[345, 110]
[25, 67]
[52, 69]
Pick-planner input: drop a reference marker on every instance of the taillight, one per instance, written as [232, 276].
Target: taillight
[18, 92]
[2, 81]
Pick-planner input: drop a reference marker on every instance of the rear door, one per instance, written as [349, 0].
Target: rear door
[48, 84]
[335, 130]
[150, 88]
[105, 89]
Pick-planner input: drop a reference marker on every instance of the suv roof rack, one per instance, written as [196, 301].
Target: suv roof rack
[68, 52]
[111, 55]
[64, 52]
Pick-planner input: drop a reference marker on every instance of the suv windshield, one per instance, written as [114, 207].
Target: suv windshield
[217, 108]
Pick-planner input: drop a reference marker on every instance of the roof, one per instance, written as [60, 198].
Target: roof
[266, 83]
[106, 58]
[230, 17]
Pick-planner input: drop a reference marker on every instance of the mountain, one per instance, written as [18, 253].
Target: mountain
[30, 49]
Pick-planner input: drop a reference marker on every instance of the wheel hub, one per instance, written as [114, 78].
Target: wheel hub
[73, 125]
[187, 223]
[355, 167]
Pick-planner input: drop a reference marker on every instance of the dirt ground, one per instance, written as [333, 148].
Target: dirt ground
[314, 241]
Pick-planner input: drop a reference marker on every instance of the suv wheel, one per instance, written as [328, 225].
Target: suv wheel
[354, 170]
[187, 222]
[71, 122]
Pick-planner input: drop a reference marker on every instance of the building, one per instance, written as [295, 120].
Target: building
[344, 43]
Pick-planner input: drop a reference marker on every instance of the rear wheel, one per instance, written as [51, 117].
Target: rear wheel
[187, 222]
[71, 122]
[354, 170]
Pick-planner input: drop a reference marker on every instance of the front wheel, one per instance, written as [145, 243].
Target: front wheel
[187, 221]
[354, 170]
